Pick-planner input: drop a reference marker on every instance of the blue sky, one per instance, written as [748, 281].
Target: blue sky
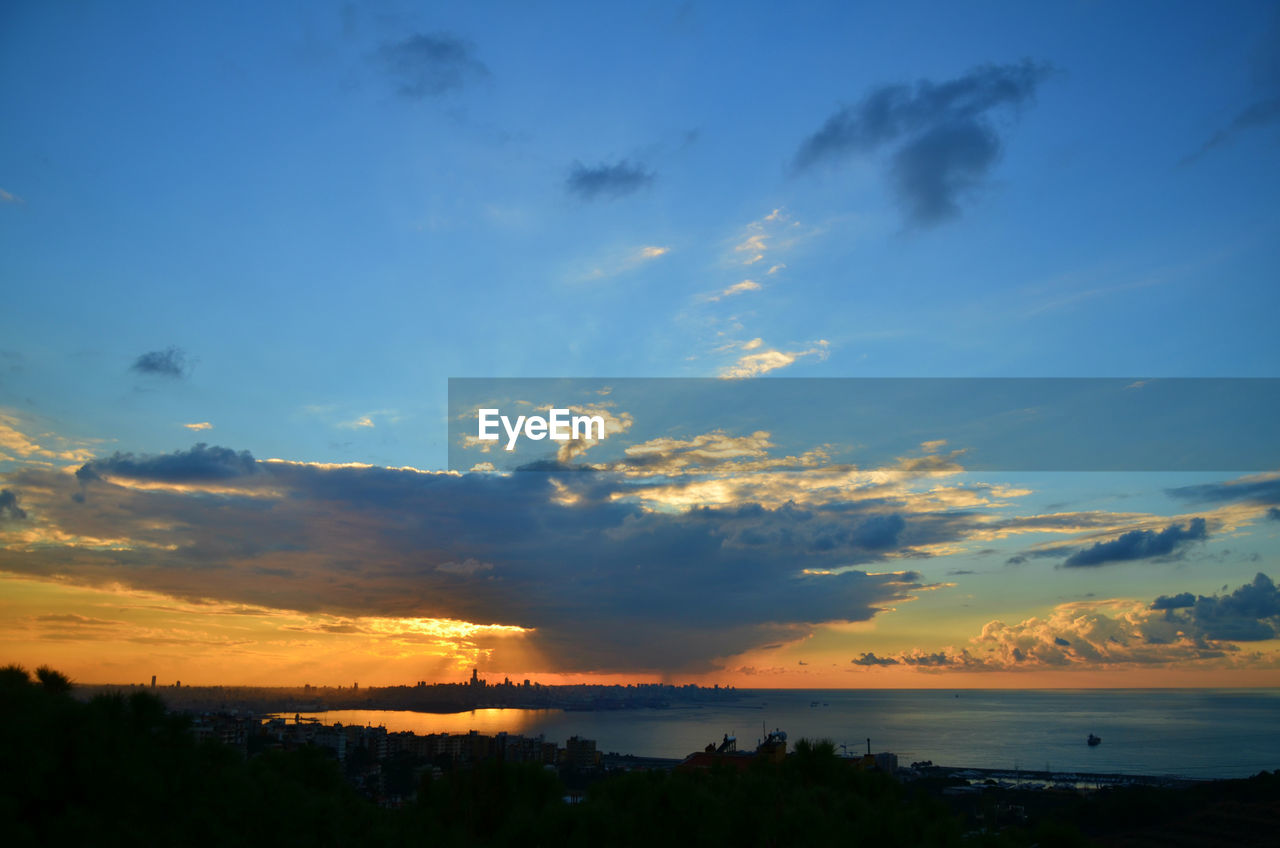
[293, 224]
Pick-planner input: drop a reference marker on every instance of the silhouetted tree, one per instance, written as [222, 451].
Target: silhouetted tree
[14, 675]
[54, 682]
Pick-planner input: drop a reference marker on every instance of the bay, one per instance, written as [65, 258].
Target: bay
[1201, 733]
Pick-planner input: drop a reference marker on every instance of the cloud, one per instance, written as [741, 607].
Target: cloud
[6, 197]
[870, 659]
[199, 425]
[359, 423]
[605, 267]
[170, 362]
[199, 464]
[14, 440]
[942, 136]
[759, 237]
[1249, 614]
[597, 582]
[607, 181]
[759, 362]
[431, 65]
[1179, 601]
[1174, 630]
[1264, 109]
[1262, 489]
[466, 568]
[1259, 114]
[1140, 544]
[737, 288]
[921, 658]
[9, 509]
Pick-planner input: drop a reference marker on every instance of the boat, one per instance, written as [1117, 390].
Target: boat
[1094, 740]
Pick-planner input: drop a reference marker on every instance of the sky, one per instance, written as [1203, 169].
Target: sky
[245, 247]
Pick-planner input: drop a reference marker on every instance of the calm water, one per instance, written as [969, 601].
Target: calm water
[1192, 733]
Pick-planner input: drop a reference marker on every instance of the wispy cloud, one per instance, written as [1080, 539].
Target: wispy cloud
[737, 288]
[19, 442]
[1264, 109]
[431, 64]
[614, 264]
[607, 181]
[756, 361]
[199, 425]
[360, 423]
[7, 197]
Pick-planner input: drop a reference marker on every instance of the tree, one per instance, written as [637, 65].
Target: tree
[54, 682]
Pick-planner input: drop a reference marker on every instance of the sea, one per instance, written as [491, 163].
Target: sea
[1193, 733]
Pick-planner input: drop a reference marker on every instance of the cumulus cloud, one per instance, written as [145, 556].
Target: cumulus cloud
[1173, 630]
[1140, 544]
[607, 181]
[943, 138]
[171, 362]
[431, 64]
[1251, 613]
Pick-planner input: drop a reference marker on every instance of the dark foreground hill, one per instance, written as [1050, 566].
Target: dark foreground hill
[120, 770]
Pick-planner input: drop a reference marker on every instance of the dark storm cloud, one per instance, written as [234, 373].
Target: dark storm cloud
[1274, 513]
[170, 362]
[431, 64]
[607, 181]
[200, 464]
[870, 659]
[942, 136]
[9, 509]
[605, 584]
[1140, 544]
